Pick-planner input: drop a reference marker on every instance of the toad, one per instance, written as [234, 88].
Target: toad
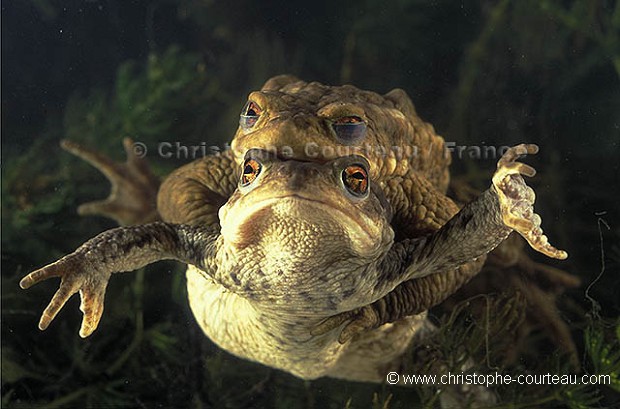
[313, 122]
[297, 243]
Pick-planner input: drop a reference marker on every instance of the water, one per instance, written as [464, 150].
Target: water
[178, 73]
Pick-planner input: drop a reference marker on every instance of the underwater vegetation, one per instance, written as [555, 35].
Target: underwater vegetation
[484, 73]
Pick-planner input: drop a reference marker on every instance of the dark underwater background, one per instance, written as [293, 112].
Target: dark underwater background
[484, 73]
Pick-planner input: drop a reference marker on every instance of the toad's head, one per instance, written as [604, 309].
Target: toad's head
[303, 231]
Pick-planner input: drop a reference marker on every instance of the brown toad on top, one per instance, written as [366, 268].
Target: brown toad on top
[316, 122]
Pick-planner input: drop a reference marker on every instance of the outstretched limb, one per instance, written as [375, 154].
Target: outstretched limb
[88, 269]
[477, 229]
[132, 198]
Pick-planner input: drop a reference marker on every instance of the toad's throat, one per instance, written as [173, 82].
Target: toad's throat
[294, 222]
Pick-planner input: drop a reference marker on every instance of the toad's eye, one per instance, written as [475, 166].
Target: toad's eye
[355, 178]
[250, 114]
[349, 128]
[251, 170]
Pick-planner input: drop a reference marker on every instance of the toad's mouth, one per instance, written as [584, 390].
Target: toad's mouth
[244, 224]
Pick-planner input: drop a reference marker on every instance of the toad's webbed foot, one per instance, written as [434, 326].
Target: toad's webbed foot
[88, 269]
[77, 273]
[516, 199]
[133, 196]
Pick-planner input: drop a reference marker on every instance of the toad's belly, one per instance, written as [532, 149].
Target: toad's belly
[235, 325]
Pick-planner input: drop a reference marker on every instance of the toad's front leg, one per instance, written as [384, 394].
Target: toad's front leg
[477, 229]
[88, 269]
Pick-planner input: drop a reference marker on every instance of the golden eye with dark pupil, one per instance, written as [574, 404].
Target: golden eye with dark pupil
[355, 179]
[252, 109]
[251, 170]
[250, 114]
